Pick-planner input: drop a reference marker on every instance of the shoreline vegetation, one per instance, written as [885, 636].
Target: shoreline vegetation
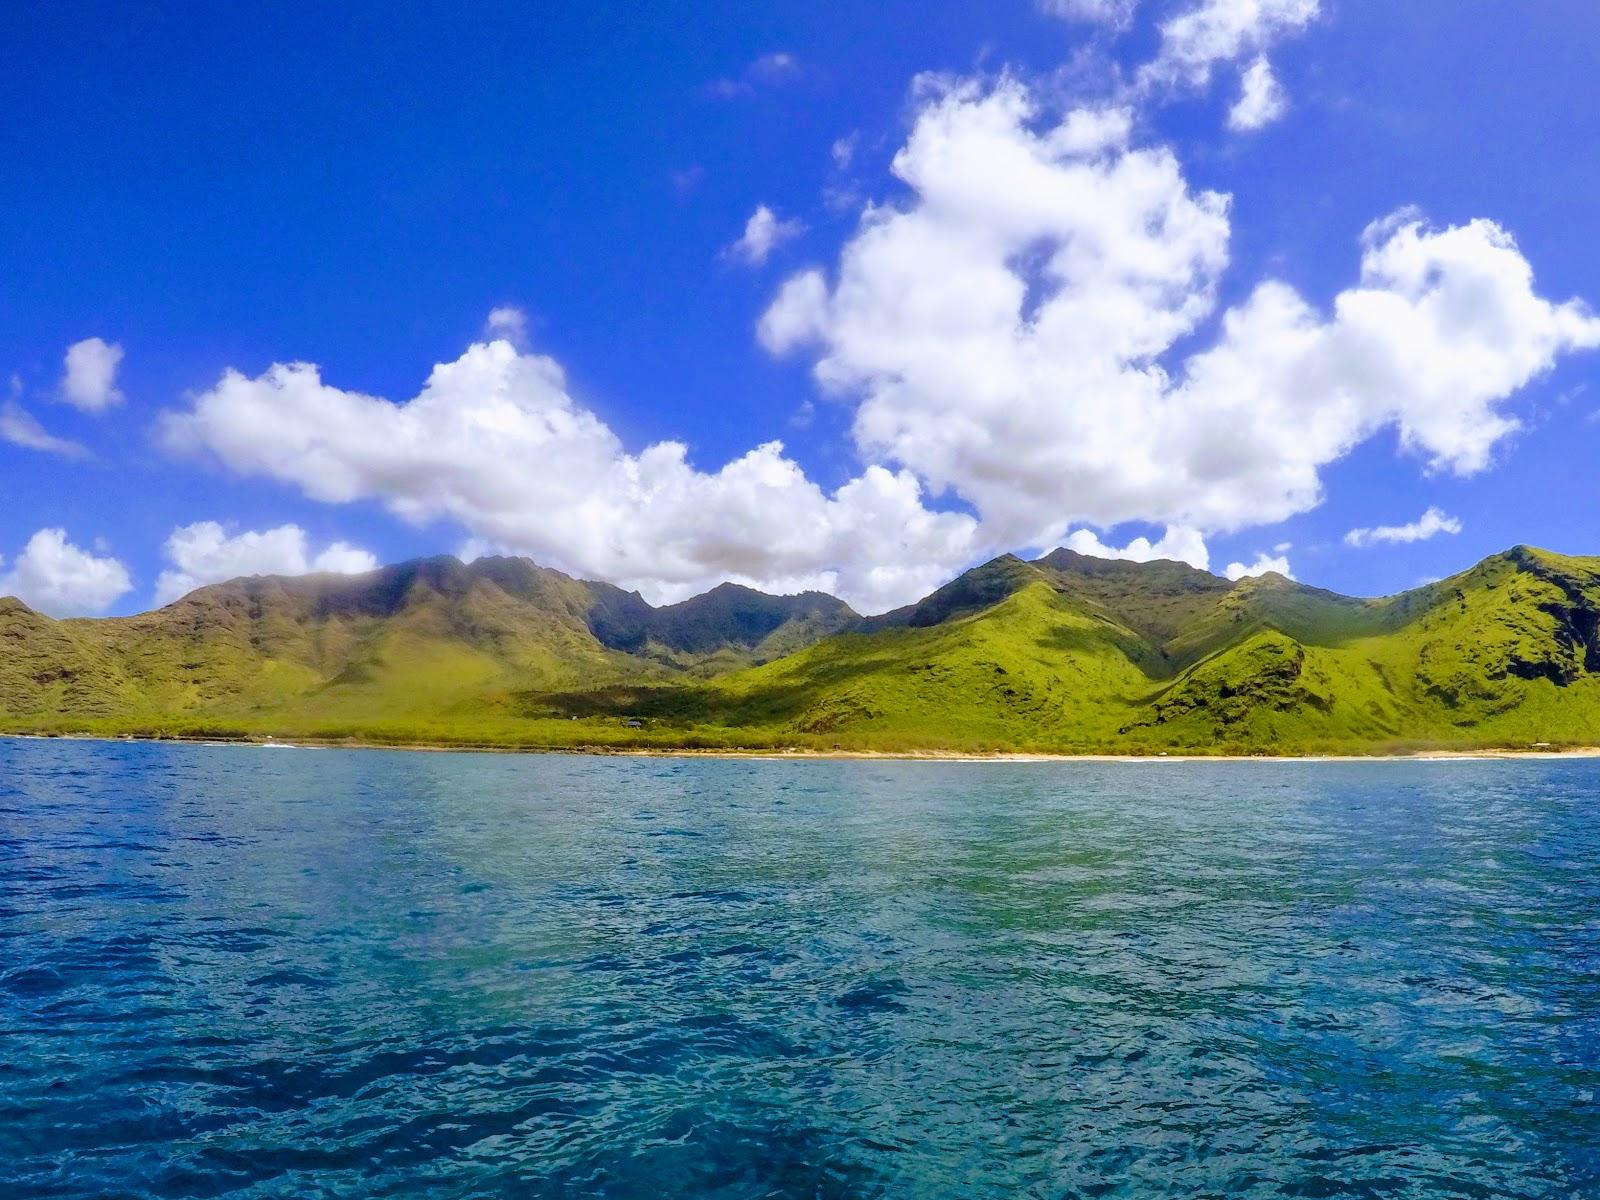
[1065, 656]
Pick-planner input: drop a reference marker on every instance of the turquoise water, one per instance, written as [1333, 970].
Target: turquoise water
[358, 973]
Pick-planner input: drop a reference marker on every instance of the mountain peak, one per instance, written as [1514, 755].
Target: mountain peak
[1264, 579]
[971, 591]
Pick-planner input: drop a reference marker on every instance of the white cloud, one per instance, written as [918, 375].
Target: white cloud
[763, 233]
[1443, 327]
[495, 443]
[1219, 31]
[1005, 331]
[767, 71]
[508, 322]
[341, 558]
[798, 315]
[1106, 12]
[19, 427]
[54, 577]
[1430, 524]
[1086, 132]
[1177, 544]
[89, 375]
[1263, 564]
[1261, 99]
[205, 553]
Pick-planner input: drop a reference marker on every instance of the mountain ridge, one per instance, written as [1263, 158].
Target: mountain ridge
[1063, 652]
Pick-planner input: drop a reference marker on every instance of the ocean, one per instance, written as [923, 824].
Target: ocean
[337, 973]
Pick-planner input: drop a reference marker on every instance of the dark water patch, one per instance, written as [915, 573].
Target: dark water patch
[877, 996]
[280, 979]
[33, 981]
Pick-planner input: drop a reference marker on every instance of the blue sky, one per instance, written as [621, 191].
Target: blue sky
[210, 189]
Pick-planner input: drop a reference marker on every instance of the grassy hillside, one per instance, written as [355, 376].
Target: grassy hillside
[1066, 653]
[1075, 654]
[429, 645]
[1033, 669]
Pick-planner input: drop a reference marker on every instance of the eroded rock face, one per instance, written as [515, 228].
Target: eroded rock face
[1577, 633]
[1265, 674]
[1535, 622]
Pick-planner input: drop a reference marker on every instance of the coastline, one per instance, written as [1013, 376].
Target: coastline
[1438, 754]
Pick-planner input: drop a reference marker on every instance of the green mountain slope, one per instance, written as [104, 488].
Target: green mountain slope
[1065, 653]
[427, 646]
[1502, 654]
[1075, 654]
[1034, 668]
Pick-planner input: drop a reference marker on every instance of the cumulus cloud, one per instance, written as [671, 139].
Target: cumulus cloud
[89, 375]
[54, 577]
[1177, 543]
[1210, 32]
[763, 233]
[1430, 524]
[1005, 330]
[1443, 328]
[205, 553]
[1261, 99]
[495, 443]
[21, 428]
[1264, 564]
[770, 70]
